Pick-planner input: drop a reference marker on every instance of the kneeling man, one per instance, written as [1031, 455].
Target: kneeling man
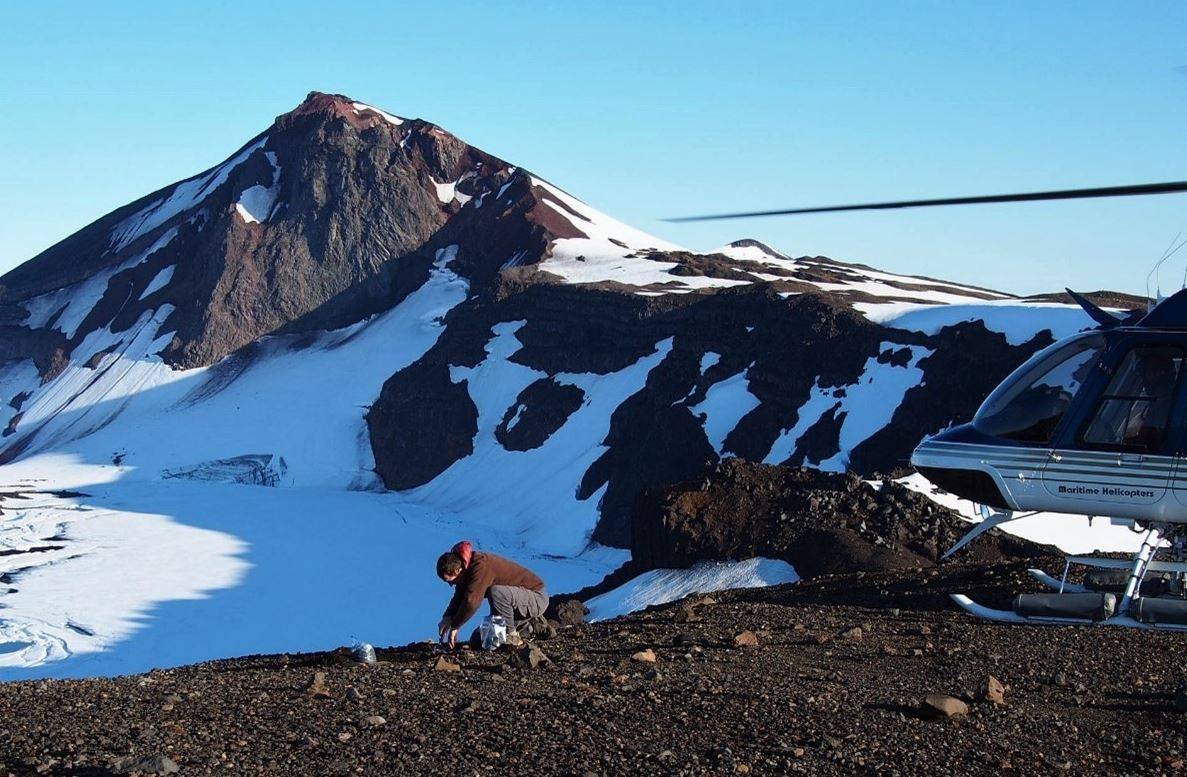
[515, 592]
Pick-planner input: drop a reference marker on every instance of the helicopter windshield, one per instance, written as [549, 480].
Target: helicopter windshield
[1029, 404]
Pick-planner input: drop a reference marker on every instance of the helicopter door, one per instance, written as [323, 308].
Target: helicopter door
[1119, 456]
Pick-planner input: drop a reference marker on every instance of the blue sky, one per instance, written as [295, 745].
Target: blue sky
[647, 110]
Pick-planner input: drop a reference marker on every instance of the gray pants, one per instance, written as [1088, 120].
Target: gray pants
[515, 603]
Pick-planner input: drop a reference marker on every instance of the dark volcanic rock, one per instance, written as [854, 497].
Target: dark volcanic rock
[539, 410]
[656, 436]
[48, 348]
[819, 522]
[421, 423]
[968, 361]
[571, 612]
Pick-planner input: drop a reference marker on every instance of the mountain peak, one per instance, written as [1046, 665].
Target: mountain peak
[758, 244]
[337, 105]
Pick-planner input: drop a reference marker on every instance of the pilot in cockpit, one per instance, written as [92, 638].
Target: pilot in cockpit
[1150, 413]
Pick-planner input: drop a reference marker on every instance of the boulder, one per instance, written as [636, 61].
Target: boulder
[537, 627]
[445, 665]
[645, 656]
[531, 657]
[687, 613]
[939, 705]
[145, 764]
[852, 635]
[571, 612]
[316, 687]
[992, 690]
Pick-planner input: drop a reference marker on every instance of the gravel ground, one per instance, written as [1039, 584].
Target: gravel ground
[834, 686]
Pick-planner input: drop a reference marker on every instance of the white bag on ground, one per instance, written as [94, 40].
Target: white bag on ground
[493, 631]
[363, 652]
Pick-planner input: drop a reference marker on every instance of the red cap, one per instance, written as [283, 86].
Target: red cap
[465, 550]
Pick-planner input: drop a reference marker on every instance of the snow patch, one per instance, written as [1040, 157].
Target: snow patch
[725, 404]
[1018, 321]
[390, 118]
[610, 250]
[159, 281]
[819, 401]
[184, 196]
[1073, 534]
[660, 586]
[869, 404]
[72, 304]
[256, 202]
[548, 476]
[447, 192]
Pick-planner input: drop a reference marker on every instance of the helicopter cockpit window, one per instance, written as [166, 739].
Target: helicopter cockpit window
[1135, 409]
[1029, 405]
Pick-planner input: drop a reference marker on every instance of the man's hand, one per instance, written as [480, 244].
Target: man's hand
[443, 627]
[453, 638]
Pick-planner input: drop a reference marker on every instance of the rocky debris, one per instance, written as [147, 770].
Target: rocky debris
[646, 656]
[148, 764]
[746, 639]
[571, 612]
[316, 686]
[1180, 698]
[537, 627]
[854, 634]
[375, 721]
[443, 664]
[819, 522]
[352, 694]
[687, 613]
[531, 657]
[992, 691]
[938, 705]
[791, 707]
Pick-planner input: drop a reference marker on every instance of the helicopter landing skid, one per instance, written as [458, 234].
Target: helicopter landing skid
[1074, 604]
[1009, 616]
[1056, 583]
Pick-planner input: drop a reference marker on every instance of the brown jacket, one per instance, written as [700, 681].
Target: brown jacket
[485, 570]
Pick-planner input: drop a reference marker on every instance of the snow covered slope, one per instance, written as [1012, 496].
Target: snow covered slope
[277, 389]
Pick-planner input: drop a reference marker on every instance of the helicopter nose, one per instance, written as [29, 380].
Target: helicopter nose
[958, 461]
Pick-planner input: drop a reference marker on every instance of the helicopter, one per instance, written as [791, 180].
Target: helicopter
[1095, 424]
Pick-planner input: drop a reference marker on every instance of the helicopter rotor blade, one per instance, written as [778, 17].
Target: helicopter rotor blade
[1137, 190]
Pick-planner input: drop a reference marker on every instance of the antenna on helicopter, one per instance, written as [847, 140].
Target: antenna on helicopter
[1170, 251]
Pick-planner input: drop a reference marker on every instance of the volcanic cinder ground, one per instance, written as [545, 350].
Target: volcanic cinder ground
[835, 685]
